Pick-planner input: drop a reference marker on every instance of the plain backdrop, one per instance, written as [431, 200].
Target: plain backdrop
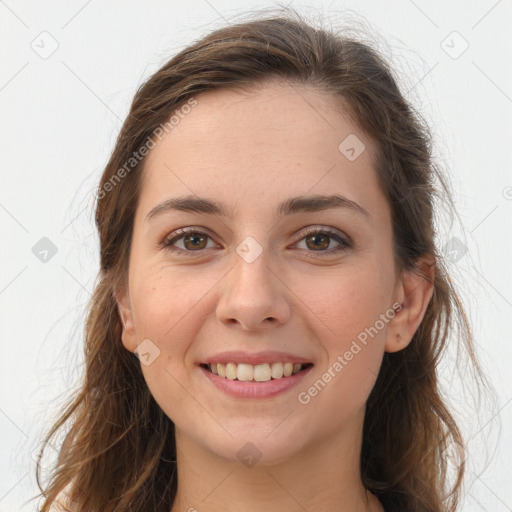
[69, 70]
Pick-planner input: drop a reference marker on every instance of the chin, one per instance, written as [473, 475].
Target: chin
[252, 446]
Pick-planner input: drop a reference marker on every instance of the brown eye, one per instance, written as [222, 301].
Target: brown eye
[192, 241]
[320, 241]
[197, 241]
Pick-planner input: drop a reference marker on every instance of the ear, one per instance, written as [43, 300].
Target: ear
[413, 292]
[125, 313]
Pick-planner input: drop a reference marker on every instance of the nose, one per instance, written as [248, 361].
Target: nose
[254, 296]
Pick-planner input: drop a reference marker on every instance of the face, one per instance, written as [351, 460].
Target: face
[267, 279]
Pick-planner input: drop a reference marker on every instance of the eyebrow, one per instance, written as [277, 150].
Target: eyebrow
[294, 205]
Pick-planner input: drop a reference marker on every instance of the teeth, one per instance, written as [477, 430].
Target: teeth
[259, 372]
[231, 371]
[277, 370]
[262, 372]
[244, 371]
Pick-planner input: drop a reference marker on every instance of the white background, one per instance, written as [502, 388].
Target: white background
[59, 119]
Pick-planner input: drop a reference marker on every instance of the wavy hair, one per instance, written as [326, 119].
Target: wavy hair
[408, 427]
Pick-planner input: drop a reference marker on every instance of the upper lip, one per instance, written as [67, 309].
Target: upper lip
[237, 356]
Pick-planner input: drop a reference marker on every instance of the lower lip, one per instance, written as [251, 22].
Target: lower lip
[252, 389]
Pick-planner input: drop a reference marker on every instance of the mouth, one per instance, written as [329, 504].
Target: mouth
[263, 372]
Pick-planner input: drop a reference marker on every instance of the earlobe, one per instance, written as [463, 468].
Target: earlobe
[414, 292]
[126, 316]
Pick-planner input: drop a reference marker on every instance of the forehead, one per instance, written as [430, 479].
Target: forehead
[251, 147]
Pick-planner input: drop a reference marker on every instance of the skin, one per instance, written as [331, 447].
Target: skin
[251, 151]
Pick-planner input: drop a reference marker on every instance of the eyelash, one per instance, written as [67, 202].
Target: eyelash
[344, 242]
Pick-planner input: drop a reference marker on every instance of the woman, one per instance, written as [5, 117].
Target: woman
[271, 305]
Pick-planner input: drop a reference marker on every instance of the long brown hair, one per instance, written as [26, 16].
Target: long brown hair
[119, 452]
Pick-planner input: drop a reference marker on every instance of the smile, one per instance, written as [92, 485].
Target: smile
[257, 373]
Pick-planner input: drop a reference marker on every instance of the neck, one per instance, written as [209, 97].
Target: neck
[323, 477]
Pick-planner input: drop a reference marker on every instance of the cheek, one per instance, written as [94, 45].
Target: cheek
[346, 303]
[167, 307]
[164, 302]
[348, 310]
